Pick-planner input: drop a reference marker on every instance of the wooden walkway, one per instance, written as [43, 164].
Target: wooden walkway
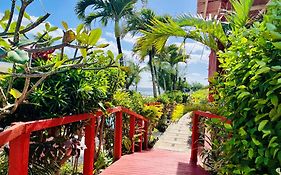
[154, 162]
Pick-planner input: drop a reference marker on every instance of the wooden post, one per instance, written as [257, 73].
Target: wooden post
[19, 154]
[195, 137]
[145, 135]
[118, 136]
[89, 153]
[132, 132]
[140, 124]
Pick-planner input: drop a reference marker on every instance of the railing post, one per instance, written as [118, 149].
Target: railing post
[132, 132]
[140, 123]
[118, 136]
[195, 138]
[19, 154]
[145, 135]
[89, 153]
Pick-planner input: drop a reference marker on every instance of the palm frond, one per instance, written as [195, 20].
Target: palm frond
[159, 34]
[239, 17]
[81, 7]
[211, 26]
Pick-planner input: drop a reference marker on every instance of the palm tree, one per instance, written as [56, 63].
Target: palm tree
[106, 10]
[133, 74]
[168, 61]
[140, 22]
[211, 32]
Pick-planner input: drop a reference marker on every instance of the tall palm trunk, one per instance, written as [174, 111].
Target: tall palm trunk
[118, 40]
[157, 79]
[150, 63]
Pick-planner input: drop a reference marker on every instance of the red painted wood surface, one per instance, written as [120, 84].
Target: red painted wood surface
[195, 131]
[18, 137]
[118, 136]
[18, 157]
[132, 132]
[89, 153]
[145, 136]
[154, 162]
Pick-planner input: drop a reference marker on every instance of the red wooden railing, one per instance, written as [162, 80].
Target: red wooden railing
[18, 137]
[195, 132]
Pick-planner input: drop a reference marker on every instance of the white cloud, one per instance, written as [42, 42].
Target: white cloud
[129, 38]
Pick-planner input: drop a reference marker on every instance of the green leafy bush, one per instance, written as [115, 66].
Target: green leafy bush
[249, 95]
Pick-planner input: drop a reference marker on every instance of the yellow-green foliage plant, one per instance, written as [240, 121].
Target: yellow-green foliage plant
[178, 112]
[154, 114]
[200, 96]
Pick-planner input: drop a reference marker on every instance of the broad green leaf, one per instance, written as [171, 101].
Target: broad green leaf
[79, 28]
[102, 46]
[94, 36]
[58, 64]
[83, 53]
[47, 26]
[271, 26]
[277, 45]
[4, 43]
[262, 125]
[227, 126]
[15, 93]
[260, 116]
[275, 35]
[251, 153]
[56, 39]
[263, 70]
[242, 132]
[256, 142]
[275, 152]
[261, 63]
[54, 28]
[65, 25]
[243, 94]
[119, 56]
[259, 160]
[25, 14]
[272, 140]
[6, 15]
[276, 68]
[274, 100]
[266, 133]
[110, 54]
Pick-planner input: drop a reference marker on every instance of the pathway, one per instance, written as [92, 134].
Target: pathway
[175, 138]
[170, 155]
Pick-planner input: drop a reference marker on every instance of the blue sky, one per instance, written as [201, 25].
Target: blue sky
[63, 10]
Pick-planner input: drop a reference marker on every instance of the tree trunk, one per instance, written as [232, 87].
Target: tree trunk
[150, 63]
[118, 40]
[157, 80]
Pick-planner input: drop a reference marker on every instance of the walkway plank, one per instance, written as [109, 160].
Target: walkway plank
[154, 162]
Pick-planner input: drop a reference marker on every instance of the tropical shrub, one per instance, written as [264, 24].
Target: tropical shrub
[177, 112]
[249, 95]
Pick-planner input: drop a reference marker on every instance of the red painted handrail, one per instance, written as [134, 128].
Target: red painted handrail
[18, 137]
[195, 131]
